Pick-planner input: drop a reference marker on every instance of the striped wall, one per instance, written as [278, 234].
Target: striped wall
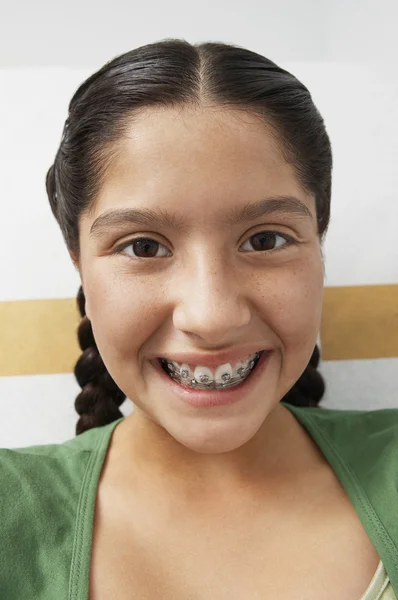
[39, 336]
[38, 283]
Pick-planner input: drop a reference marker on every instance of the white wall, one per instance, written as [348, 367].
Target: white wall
[84, 33]
[336, 49]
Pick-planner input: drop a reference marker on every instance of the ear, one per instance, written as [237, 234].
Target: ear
[75, 260]
[77, 265]
[87, 307]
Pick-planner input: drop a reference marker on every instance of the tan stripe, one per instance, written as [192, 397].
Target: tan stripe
[360, 322]
[39, 336]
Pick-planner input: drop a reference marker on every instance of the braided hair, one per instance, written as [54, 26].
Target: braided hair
[175, 73]
[98, 402]
[310, 387]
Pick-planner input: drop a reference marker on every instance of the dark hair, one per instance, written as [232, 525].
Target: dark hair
[173, 73]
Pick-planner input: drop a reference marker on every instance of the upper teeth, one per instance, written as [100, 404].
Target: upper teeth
[203, 374]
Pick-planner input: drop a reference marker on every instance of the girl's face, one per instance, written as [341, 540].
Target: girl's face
[203, 284]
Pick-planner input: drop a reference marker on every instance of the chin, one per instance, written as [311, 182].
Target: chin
[211, 436]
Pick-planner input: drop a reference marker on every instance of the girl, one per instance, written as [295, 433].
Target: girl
[192, 186]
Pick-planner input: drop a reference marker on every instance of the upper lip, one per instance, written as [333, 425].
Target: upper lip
[213, 360]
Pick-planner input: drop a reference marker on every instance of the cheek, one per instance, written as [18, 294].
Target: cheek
[123, 316]
[291, 303]
[295, 318]
[300, 307]
[292, 308]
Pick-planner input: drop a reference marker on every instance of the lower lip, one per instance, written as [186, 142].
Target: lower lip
[223, 397]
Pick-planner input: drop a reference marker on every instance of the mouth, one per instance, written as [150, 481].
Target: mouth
[206, 395]
[202, 378]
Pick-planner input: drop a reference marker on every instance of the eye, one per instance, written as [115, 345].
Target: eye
[142, 248]
[265, 241]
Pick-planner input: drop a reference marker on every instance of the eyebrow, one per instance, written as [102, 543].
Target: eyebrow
[159, 218]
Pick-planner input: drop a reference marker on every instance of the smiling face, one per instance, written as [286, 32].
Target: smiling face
[203, 281]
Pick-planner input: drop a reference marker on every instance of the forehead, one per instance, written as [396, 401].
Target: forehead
[198, 158]
[181, 136]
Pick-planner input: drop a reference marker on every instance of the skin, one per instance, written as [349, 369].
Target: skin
[208, 296]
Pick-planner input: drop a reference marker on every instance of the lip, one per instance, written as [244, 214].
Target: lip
[214, 360]
[199, 398]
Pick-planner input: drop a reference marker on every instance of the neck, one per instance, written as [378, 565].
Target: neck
[143, 452]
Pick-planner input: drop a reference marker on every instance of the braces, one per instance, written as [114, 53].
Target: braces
[203, 385]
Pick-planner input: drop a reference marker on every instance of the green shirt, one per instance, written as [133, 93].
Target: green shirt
[48, 494]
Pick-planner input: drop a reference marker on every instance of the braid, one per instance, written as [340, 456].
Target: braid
[98, 402]
[310, 387]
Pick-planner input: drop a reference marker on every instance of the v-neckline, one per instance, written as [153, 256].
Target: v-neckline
[83, 536]
[84, 529]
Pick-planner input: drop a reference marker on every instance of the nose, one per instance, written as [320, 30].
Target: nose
[211, 303]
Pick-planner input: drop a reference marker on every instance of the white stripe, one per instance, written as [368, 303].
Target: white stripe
[366, 384]
[39, 409]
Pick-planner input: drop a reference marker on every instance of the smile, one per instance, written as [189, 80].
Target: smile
[201, 377]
